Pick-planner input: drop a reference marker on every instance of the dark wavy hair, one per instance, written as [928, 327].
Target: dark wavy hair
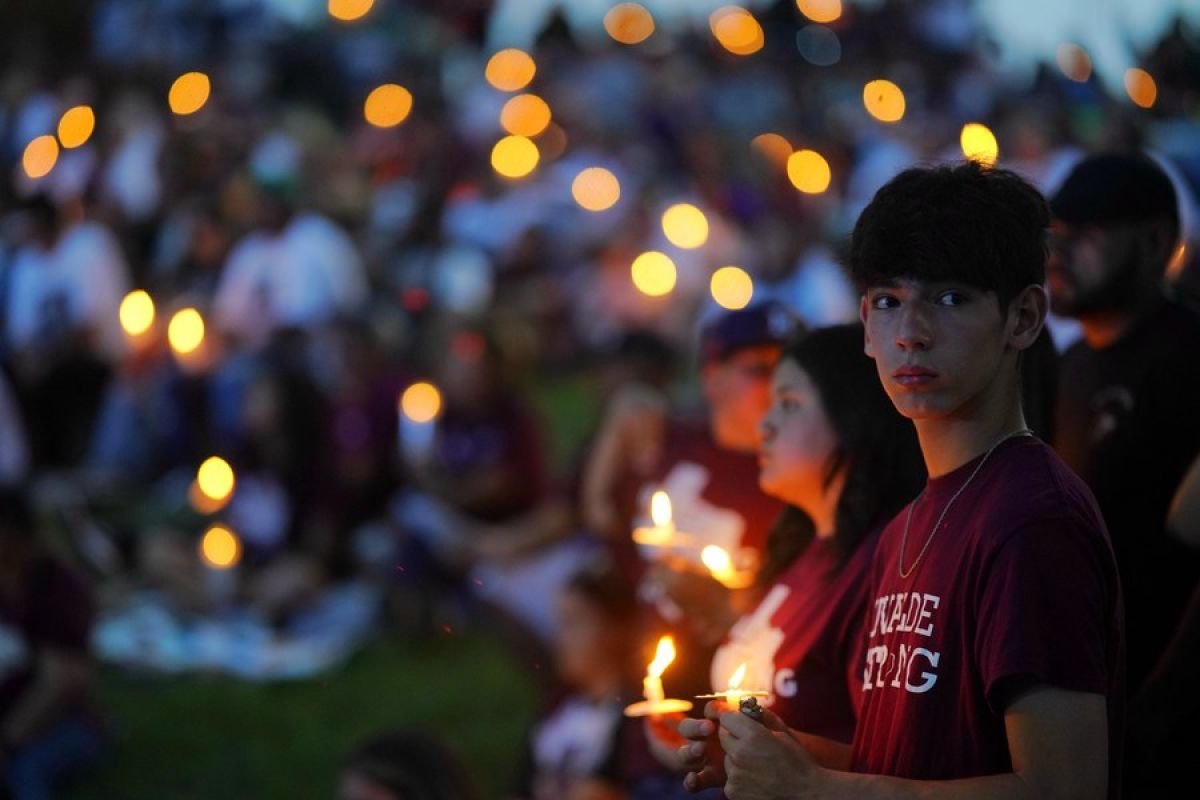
[983, 226]
[876, 447]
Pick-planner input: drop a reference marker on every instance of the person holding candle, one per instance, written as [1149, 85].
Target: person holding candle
[836, 451]
[706, 473]
[838, 454]
[573, 750]
[993, 651]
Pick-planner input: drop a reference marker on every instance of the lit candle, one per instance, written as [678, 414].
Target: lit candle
[660, 513]
[720, 566]
[664, 533]
[652, 687]
[734, 694]
[656, 701]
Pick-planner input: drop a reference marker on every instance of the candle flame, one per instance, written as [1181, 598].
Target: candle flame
[660, 508]
[735, 680]
[717, 560]
[662, 657]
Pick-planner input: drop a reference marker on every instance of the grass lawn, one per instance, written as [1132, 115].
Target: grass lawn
[216, 738]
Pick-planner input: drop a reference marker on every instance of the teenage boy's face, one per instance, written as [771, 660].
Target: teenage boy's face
[942, 350]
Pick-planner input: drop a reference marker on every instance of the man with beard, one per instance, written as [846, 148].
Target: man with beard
[1127, 418]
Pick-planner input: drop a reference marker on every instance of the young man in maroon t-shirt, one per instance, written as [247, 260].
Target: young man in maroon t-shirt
[994, 640]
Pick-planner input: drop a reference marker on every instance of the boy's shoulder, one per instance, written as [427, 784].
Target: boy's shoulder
[1031, 487]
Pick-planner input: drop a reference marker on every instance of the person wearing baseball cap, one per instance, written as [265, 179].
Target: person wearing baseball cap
[1116, 226]
[1126, 418]
[708, 466]
[738, 353]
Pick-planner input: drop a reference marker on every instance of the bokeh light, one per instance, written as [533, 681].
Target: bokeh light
[76, 126]
[1074, 61]
[809, 171]
[737, 30]
[510, 70]
[773, 147]
[653, 273]
[1140, 85]
[685, 226]
[525, 115]
[884, 100]
[216, 479]
[388, 105]
[136, 312]
[40, 156]
[514, 156]
[596, 189]
[189, 93]
[629, 23]
[732, 288]
[421, 402]
[349, 10]
[820, 10]
[979, 143]
[220, 548]
[185, 332]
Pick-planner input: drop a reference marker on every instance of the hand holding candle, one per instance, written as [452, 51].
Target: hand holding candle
[656, 701]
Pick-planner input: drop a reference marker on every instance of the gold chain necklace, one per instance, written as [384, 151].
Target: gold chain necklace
[946, 510]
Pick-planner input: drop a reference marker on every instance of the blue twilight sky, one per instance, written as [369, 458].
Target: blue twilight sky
[1112, 31]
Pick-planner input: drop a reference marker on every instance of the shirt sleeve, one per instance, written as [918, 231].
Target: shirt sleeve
[1044, 610]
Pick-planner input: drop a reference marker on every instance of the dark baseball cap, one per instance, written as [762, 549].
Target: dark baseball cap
[1115, 187]
[765, 323]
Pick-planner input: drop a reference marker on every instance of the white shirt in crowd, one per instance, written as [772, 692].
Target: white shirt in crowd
[78, 284]
[301, 277]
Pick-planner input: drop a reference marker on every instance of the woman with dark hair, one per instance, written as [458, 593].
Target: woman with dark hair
[837, 452]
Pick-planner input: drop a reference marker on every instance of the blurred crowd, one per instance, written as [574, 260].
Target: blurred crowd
[327, 267]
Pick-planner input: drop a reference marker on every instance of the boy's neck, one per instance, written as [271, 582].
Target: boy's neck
[949, 442]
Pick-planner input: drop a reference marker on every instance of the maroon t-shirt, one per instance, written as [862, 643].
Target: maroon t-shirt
[1018, 588]
[803, 642]
[715, 498]
[714, 491]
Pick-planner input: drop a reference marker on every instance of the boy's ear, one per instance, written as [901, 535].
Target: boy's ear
[1027, 316]
[863, 309]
